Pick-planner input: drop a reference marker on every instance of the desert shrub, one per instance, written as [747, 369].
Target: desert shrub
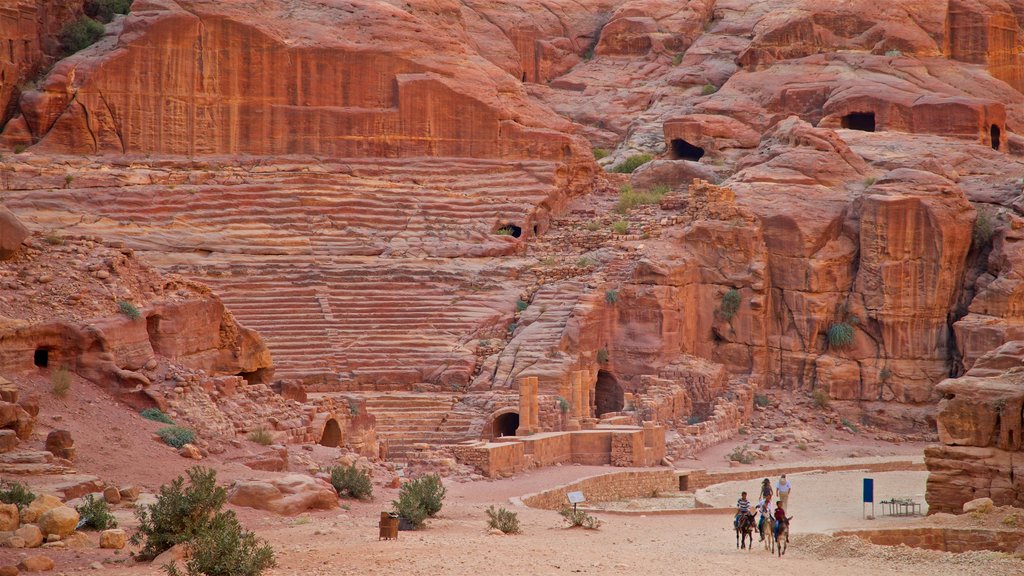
[261, 436]
[630, 198]
[224, 548]
[80, 34]
[563, 404]
[741, 454]
[708, 89]
[677, 59]
[16, 493]
[156, 415]
[521, 305]
[579, 518]
[984, 228]
[600, 153]
[840, 335]
[176, 436]
[505, 520]
[353, 407]
[869, 181]
[128, 309]
[19, 148]
[611, 296]
[179, 513]
[60, 382]
[602, 356]
[802, 446]
[593, 225]
[884, 374]
[893, 53]
[585, 262]
[504, 231]
[631, 163]
[820, 398]
[730, 303]
[53, 239]
[762, 400]
[420, 499]
[104, 10]
[94, 514]
[694, 419]
[351, 482]
[620, 227]
[849, 425]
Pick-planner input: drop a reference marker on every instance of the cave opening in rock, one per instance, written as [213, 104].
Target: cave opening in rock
[608, 394]
[258, 376]
[996, 430]
[864, 121]
[331, 436]
[510, 230]
[505, 425]
[683, 150]
[995, 133]
[41, 358]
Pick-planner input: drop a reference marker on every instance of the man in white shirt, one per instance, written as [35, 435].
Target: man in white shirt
[783, 489]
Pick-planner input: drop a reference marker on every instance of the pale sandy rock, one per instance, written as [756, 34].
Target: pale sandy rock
[31, 534]
[10, 517]
[36, 564]
[290, 495]
[115, 539]
[60, 521]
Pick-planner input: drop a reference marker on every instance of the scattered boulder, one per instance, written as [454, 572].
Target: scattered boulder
[60, 444]
[112, 495]
[129, 493]
[36, 564]
[115, 539]
[31, 535]
[10, 518]
[16, 542]
[190, 451]
[982, 505]
[41, 505]
[9, 571]
[12, 233]
[60, 521]
[288, 496]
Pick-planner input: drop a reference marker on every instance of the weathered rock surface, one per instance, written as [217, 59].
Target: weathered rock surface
[60, 521]
[12, 233]
[115, 539]
[289, 495]
[36, 564]
[9, 517]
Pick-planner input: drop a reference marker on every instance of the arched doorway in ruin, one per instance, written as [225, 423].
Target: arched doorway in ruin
[996, 136]
[503, 424]
[332, 434]
[608, 394]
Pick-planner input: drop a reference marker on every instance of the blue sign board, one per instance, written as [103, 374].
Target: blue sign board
[869, 490]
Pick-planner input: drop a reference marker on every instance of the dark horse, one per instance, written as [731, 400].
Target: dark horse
[745, 532]
[781, 534]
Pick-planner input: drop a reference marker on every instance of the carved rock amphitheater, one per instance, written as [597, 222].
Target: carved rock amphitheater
[418, 207]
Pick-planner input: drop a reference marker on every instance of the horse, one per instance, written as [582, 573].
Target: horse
[780, 541]
[745, 531]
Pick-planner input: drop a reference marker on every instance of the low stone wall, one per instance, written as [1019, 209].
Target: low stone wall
[943, 539]
[691, 480]
[493, 459]
[607, 488]
[547, 448]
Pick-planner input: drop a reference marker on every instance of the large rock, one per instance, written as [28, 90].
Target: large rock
[60, 444]
[60, 521]
[983, 505]
[41, 505]
[9, 517]
[290, 495]
[115, 539]
[12, 233]
[31, 534]
[36, 564]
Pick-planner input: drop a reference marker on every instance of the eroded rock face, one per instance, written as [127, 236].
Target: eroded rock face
[12, 234]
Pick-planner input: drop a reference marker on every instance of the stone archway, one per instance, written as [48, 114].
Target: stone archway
[503, 424]
[608, 394]
[331, 436]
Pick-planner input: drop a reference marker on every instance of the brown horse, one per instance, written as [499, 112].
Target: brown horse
[781, 537]
[745, 532]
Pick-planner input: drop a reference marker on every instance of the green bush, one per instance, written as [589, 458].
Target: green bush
[984, 229]
[585, 262]
[600, 153]
[60, 382]
[128, 309]
[521, 305]
[694, 419]
[708, 89]
[224, 548]
[16, 493]
[840, 335]
[176, 436]
[504, 520]
[579, 518]
[849, 425]
[593, 225]
[179, 514]
[94, 514]
[820, 398]
[762, 400]
[629, 198]
[80, 34]
[611, 296]
[630, 164]
[104, 10]
[351, 482]
[620, 227]
[893, 53]
[563, 404]
[677, 59]
[742, 454]
[730, 303]
[602, 356]
[420, 499]
[156, 415]
[261, 436]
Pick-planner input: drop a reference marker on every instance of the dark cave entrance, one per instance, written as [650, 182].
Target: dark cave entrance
[41, 357]
[505, 425]
[332, 434]
[510, 230]
[995, 133]
[683, 150]
[608, 394]
[864, 121]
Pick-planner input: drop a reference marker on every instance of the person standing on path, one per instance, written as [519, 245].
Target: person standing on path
[783, 488]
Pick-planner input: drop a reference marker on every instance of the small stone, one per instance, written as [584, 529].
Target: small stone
[96, 566]
[129, 493]
[190, 451]
[112, 495]
[982, 505]
[114, 539]
[53, 545]
[101, 274]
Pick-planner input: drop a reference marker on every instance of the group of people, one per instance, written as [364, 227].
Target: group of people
[775, 513]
